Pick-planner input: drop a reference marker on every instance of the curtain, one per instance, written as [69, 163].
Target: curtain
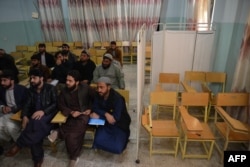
[241, 80]
[52, 20]
[199, 12]
[119, 20]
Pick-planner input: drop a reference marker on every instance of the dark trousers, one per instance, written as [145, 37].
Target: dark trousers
[34, 133]
[73, 131]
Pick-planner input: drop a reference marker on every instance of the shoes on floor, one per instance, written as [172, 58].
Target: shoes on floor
[73, 163]
[53, 136]
[13, 151]
[39, 163]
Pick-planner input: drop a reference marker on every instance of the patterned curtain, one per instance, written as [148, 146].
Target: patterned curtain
[241, 81]
[102, 20]
[52, 20]
[199, 12]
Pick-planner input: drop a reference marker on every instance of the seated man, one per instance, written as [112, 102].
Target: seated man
[38, 111]
[75, 102]
[86, 67]
[111, 106]
[108, 69]
[62, 67]
[36, 64]
[46, 58]
[115, 52]
[12, 99]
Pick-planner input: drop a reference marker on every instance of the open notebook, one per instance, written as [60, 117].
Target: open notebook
[96, 121]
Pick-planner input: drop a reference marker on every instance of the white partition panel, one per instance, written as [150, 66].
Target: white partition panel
[157, 53]
[180, 51]
[203, 57]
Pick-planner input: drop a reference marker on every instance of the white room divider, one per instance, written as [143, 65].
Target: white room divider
[180, 51]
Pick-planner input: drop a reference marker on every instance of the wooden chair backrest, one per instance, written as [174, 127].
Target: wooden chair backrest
[194, 99]
[169, 78]
[57, 43]
[232, 99]
[197, 76]
[125, 94]
[21, 48]
[163, 98]
[216, 77]
[97, 44]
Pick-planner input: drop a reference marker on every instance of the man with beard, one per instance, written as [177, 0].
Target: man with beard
[12, 99]
[36, 64]
[75, 102]
[62, 67]
[46, 58]
[86, 67]
[115, 52]
[110, 106]
[38, 111]
[108, 69]
[72, 58]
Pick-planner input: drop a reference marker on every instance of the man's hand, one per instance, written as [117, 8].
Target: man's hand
[6, 109]
[38, 115]
[75, 113]
[94, 115]
[86, 112]
[110, 118]
[25, 121]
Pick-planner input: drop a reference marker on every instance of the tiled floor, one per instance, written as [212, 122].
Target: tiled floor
[90, 158]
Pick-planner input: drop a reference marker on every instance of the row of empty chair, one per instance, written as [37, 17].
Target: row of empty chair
[189, 129]
[203, 81]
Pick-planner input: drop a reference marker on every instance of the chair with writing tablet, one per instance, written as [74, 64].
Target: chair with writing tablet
[160, 129]
[231, 129]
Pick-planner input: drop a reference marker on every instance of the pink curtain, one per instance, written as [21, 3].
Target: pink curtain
[241, 81]
[52, 20]
[106, 20]
[199, 14]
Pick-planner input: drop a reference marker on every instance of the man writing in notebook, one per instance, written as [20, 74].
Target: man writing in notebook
[110, 106]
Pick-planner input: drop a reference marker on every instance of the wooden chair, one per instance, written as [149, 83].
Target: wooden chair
[21, 48]
[126, 57]
[51, 49]
[194, 78]
[57, 44]
[78, 45]
[47, 44]
[163, 129]
[92, 52]
[187, 87]
[125, 94]
[166, 99]
[32, 49]
[214, 79]
[192, 130]
[97, 44]
[231, 130]
[170, 81]
[133, 52]
[105, 44]
[199, 101]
